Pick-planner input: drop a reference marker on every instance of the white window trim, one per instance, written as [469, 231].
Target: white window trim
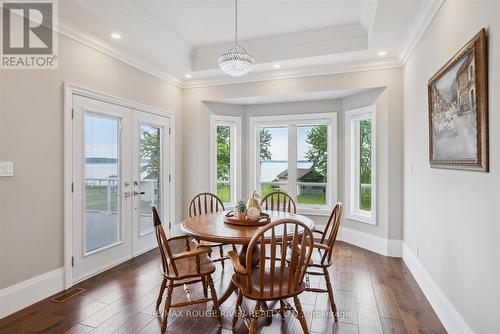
[235, 123]
[292, 121]
[351, 170]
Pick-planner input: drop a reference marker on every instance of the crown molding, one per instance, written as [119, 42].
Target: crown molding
[70, 31]
[420, 25]
[347, 67]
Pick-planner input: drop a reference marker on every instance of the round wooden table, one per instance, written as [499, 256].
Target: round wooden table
[211, 227]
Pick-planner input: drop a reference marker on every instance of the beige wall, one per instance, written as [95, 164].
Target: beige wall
[452, 216]
[31, 135]
[388, 100]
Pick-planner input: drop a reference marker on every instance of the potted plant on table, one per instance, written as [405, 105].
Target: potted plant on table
[240, 210]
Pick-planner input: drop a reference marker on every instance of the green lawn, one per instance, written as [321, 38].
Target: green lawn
[366, 199]
[97, 198]
[303, 199]
[224, 193]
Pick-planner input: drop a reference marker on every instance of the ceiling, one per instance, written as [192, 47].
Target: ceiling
[175, 38]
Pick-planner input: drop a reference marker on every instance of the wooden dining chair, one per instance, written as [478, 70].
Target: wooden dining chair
[278, 201]
[183, 266]
[202, 204]
[322, 256]
[275, 279]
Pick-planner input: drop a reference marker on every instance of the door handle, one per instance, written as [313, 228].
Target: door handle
[137, 193]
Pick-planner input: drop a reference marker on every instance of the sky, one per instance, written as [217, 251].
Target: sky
[101, 137]
[279, 143]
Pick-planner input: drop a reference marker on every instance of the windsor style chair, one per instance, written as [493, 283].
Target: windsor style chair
[322, 256]
[278, 201]
[183, 266]
[202, 204]
[275, 279]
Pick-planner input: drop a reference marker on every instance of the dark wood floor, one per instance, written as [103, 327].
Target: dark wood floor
[374, 294]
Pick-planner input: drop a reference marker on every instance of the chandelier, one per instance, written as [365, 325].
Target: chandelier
[236, 61]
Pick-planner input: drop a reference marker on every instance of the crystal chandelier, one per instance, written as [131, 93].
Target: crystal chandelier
[236, 61]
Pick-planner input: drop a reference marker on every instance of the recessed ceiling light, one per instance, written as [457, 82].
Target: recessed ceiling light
[188, 76]
[382, 53]
[276, 66]
[116, 36]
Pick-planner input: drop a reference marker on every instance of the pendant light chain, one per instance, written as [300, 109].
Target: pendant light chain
[236, 22]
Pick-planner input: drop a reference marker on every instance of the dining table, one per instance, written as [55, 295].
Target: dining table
[212, 227]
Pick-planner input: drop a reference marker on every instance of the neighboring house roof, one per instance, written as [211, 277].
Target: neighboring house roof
[304, 175]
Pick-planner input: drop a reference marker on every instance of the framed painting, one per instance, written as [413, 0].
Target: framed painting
[458, 110]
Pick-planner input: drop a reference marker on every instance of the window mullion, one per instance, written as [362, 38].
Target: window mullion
[292, 161]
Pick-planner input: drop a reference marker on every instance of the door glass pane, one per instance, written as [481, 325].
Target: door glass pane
[150, 184]
[224, 163]
[102, 180]
[273, 160]
[365, 164]
[312, 164]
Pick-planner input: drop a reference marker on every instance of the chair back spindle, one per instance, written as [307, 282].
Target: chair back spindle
[330, 233]
[278, 201]
[161, 238]
[205, 203]
[273, 239]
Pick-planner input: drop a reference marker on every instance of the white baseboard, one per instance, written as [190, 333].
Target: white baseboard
[23, 294]
[386, 247]
[447, 313]
[100, 270]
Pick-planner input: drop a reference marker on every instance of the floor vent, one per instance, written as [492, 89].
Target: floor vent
[67, 295]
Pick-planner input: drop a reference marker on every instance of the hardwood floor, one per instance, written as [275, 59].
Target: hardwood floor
[374, 294]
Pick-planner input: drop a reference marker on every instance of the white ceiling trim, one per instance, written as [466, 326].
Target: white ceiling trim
[349, 67]
[420, 25]
[368, 16]
[70, 31]
[303, 44]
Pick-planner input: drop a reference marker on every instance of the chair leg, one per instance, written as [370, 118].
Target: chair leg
[282, 311]
[330, 293]
[234, 247]
[160, 296]
[300, 315]
[168, 300]
[237, 309]
[221, 252]
[214, 299]
[255, 316]
[204, 283]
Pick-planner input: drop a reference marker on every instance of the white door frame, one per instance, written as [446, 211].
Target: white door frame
[71, 89]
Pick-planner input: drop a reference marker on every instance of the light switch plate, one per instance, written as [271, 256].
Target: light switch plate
[6, 168]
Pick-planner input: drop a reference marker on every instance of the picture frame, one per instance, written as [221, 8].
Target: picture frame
[458, 109]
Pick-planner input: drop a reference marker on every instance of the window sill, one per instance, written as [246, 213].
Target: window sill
[362, 218]
[314, 212]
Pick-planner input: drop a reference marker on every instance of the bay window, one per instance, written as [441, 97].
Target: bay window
[295, 154]
[360, 191]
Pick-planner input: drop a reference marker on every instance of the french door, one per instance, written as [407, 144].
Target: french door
[120, 170]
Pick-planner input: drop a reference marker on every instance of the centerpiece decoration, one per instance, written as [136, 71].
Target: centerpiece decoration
[249, 214]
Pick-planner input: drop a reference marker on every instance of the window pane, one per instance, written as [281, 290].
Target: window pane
[102, 179]
[365, 164]
[312, 164]
[149, 187]
[224, 163]
[273, 160]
